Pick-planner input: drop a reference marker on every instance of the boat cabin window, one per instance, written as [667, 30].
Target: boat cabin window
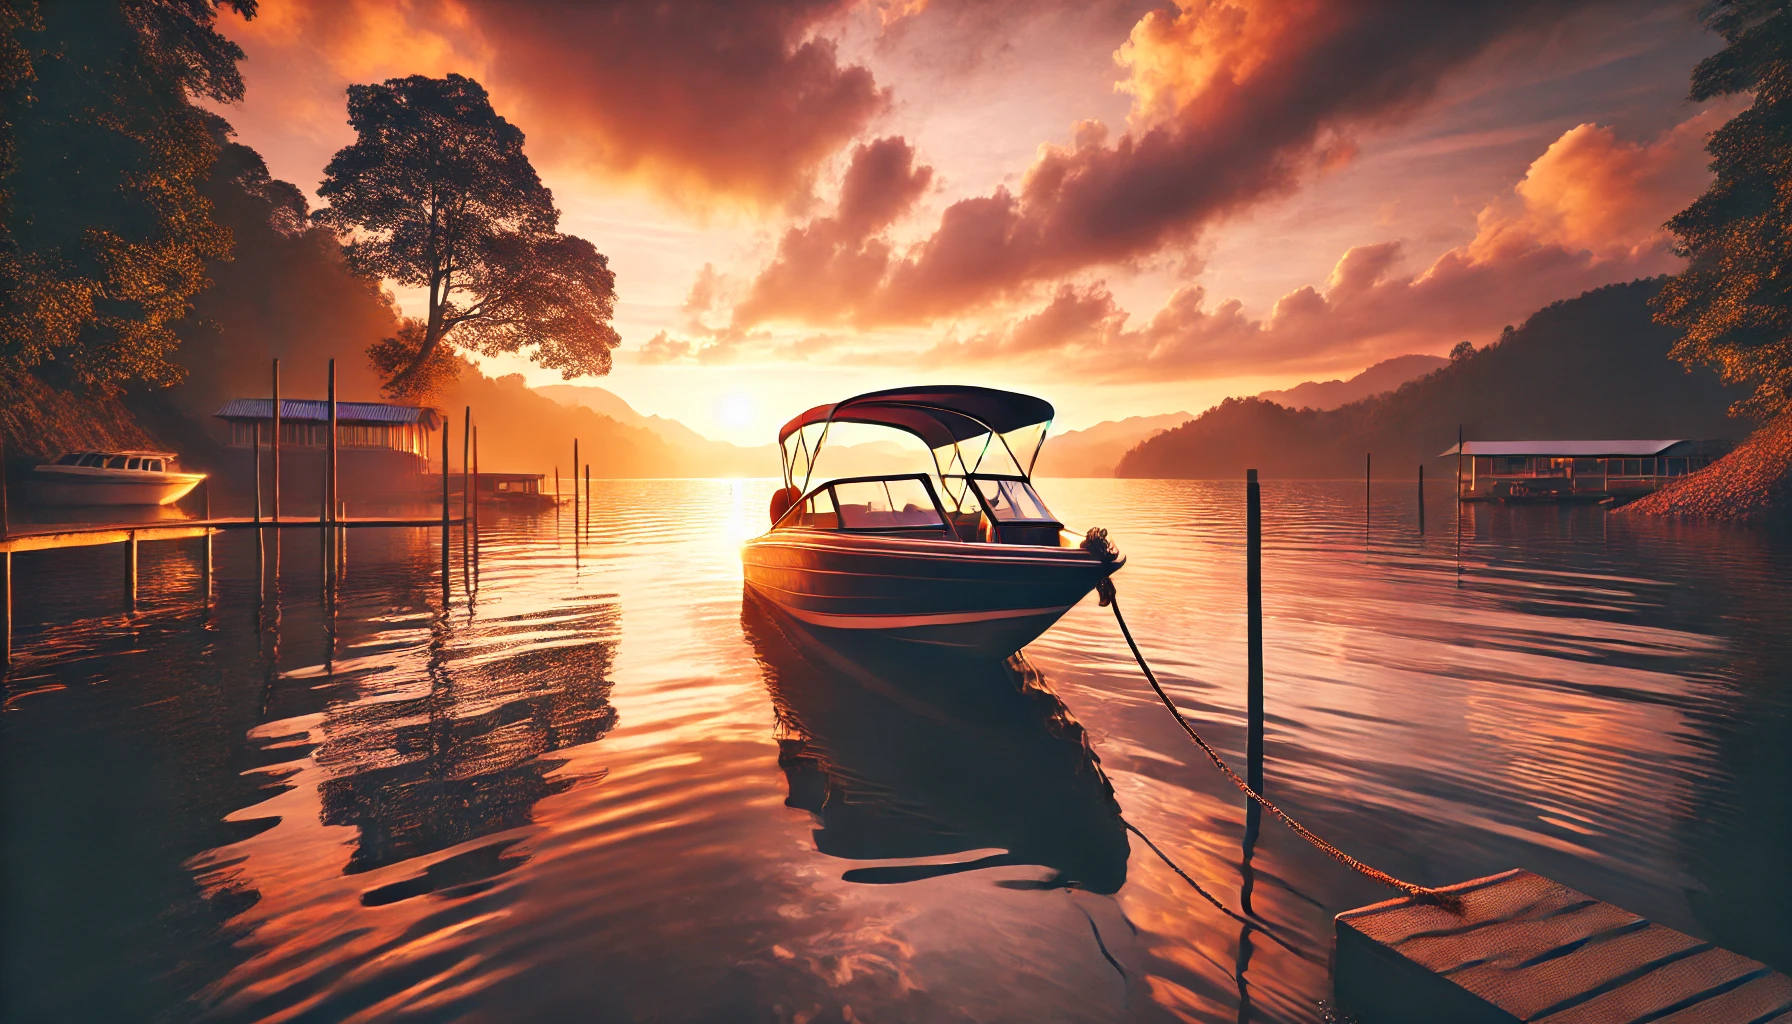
[1014, 501]
[116, 462]
[886, 504]
[91, 459]
[153, 465]
[136, 463]
[71, 459]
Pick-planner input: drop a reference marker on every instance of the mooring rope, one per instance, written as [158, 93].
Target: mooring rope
[1097, 542]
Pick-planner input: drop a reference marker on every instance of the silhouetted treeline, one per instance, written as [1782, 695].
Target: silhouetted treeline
[1589, 367]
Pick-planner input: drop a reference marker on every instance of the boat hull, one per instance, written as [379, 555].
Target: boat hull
[988, 599]
[75, 485]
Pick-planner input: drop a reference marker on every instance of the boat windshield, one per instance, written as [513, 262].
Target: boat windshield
[888, 503]
[1012, 500]
[71, 459]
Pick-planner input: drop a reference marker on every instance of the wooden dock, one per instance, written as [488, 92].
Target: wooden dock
[83, 535]
[1529, 949]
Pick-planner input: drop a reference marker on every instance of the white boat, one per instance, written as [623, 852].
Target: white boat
[967, 558]
[110, 478]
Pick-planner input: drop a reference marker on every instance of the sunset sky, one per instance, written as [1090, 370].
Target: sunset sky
[1124, 208]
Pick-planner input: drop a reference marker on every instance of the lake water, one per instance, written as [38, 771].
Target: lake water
[605, 788]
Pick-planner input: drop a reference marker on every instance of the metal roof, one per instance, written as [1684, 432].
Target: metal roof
[313, 410]
[1565, 449]
[938, 415]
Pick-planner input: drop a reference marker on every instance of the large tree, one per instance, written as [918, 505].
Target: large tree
[104, 235]
[436, 193]
[1734, 299]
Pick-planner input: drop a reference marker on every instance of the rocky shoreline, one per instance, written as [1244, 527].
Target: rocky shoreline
[1751, 484]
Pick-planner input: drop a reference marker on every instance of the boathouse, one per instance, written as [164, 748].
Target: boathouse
[1575, 470]
[382, 449]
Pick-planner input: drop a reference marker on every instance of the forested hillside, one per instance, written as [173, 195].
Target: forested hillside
[1595, 366]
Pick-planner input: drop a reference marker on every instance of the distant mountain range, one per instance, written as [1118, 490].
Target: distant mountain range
[1095, 451]
[1595, 366]
[1330, 394]
[701, 456]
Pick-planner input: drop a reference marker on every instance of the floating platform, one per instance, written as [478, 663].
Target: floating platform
[1525, 948]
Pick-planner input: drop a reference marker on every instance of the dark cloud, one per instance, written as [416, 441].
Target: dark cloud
[1233, 103]
[700, 98]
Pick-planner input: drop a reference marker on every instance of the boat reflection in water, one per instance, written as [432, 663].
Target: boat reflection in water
[902, 755]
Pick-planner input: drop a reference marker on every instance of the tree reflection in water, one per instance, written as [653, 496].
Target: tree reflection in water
[904, 754]
[463, 760]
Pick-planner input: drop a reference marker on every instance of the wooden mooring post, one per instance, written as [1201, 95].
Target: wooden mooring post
[575, 491]
[446, 580]
[1524, 948]
[1253, 585]
[274, 492]
[1421, 497]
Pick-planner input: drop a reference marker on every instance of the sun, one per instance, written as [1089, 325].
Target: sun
[736, 411]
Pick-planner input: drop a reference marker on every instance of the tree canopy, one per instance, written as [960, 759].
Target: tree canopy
[104, 234]
[436, 193]
[1734, 299]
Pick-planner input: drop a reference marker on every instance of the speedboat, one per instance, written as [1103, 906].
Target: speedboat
[966, 557]
[110, 478]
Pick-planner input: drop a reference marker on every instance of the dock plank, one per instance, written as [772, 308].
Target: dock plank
[1526, 948]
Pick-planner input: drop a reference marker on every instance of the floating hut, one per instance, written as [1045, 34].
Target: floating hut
[1575, 470]
[383, 449]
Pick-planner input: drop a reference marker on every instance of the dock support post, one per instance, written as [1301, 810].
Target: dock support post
[475, 492]
[258, 471]
[130, 571]
[275, 492]
[575, 491]
[445, 581]
[5, 609]
[1368, 485]
[587, 497]
[1421, 497]
[466, 468]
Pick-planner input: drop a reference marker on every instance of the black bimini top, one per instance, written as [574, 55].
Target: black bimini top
[941, 415]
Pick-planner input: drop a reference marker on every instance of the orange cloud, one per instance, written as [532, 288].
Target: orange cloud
[1233, 102]
[742, 100]
[1587, 213]
[830, 261]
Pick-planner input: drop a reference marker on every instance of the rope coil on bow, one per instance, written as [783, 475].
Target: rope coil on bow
[1096, 542]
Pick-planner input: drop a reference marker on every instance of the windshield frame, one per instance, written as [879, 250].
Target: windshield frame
[944, 526]
[989, 508]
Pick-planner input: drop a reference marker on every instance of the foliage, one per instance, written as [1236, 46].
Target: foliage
[104, 235]
[1463, 350]
[1734, 299]
[436, 193]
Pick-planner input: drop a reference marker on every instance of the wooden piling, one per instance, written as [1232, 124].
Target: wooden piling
[333, 441]
[1421, 497]
[1458, 499]
[1368, 485]
[475, 487]
[258, 471]
[1253, 585]
[274, 494]
[466, 467]
[5, 609]
[130, 571]
[587, 497]
[575, 490]
[445, 578]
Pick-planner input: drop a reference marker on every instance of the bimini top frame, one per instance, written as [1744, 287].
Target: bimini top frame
[942, 416]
